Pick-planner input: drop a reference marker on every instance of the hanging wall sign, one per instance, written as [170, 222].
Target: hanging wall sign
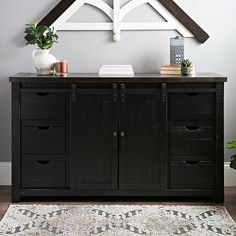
[175, 18]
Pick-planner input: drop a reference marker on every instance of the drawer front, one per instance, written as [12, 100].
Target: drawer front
[192, 140]
[43, 139]
[192, 175]
[43, 105]
[43, 174]
[192, 106]
[183, 157]
[43, 157]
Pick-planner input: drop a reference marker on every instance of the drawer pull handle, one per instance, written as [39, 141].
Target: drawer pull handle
[43, 162]
[114, 140]
[42, 94]
[122, 140]
[192, 94]
[192, 128]
[192, 163]
[43, 127]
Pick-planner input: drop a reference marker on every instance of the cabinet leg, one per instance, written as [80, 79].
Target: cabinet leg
[15, 198]
[219, 198]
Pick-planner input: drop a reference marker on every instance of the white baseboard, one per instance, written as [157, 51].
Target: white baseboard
[230, 175]
[5, 174]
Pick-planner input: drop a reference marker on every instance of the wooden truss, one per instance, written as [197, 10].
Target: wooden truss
[175, 17]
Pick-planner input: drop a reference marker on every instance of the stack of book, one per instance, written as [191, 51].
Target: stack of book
[116, 71]
[171, 69]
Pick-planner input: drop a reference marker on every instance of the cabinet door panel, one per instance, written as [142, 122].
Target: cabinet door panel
[93, 154]
[140, 159]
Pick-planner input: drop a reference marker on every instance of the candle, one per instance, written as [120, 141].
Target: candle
[61, 68]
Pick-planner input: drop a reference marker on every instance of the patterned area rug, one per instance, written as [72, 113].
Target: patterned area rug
[116, 220]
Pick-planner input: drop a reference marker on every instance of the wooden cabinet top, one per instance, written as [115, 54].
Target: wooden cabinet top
[148, 78]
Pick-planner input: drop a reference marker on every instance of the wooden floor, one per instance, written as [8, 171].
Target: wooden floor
[230, 201]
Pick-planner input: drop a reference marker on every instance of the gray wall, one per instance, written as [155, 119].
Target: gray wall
[86, 51]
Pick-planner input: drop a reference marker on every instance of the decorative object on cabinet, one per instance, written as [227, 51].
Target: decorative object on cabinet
[187, 67]
[170, 69]
[44, 62]
[176, 50]
[116, 71]
[61, 68]
[175, 17]
[43, 37]
[232, 145]
[146, 135]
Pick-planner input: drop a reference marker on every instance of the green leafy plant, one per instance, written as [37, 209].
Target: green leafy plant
[186, 63]
[232, 145]
[40, 35]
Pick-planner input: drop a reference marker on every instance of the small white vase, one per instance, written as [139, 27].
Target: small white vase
[44, 62]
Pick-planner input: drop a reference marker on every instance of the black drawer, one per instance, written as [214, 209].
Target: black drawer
[192, 140]
[192, 106]
[43, 174]
[192, 175]
[42, 105]
[43, 139]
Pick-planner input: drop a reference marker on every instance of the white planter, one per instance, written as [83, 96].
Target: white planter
[44, 62]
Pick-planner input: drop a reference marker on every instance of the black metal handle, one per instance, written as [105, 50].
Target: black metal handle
[114, 88]
[73, 92]
[192, 128]
[192, 163]
[42, 94]
[114, 140]
[122, 93]
[43, 127]
[122, 140]
[43, 162]
[163, 92]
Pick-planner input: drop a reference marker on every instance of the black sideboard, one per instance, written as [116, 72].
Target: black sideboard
[147, 135]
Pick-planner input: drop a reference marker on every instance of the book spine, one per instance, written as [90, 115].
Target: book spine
[170, 72]
[171, 68]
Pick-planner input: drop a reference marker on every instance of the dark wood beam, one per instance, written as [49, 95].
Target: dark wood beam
[187, 21]
[55, 13]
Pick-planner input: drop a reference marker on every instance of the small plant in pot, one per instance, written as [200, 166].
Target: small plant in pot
[232, 145]
[186, 67]
[44, 37]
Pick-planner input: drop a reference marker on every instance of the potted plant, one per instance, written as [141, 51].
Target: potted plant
[43, 37]
[231, 145]
[186, 67]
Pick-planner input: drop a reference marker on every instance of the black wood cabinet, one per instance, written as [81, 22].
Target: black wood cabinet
[142, 136]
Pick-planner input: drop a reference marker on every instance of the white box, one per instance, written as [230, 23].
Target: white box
[116, 71]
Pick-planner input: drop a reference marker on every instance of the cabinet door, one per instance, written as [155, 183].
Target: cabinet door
[140, 141]
[94, 161]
